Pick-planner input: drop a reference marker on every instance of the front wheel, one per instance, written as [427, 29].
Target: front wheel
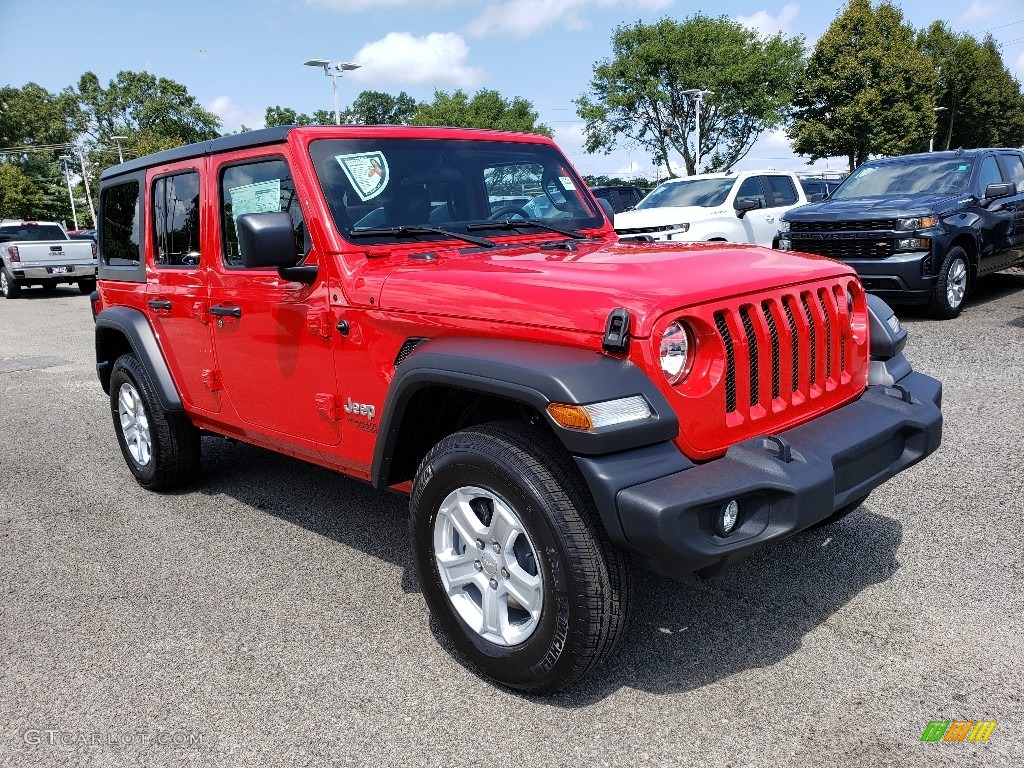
[951, 287]
[514, 565]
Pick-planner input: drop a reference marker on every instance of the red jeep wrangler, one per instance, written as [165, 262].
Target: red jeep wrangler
[388, 302]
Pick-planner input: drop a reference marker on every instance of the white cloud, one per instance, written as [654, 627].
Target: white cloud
[569, 134]
[233, 116]
[767, 24]
[522, 18]
[979, 10]
[438, 58]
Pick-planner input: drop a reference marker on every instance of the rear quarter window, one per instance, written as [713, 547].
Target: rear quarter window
[120, 233]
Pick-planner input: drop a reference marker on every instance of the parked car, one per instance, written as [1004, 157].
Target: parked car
[920, 229]
[818, 189]
[41, 253]
[555, 400]
[621, 197]
[738, 208]
[82, 234]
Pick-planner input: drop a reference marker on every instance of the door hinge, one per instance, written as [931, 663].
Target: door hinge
[329, 406]
[319, 323]
[199, 312]
[212, 380]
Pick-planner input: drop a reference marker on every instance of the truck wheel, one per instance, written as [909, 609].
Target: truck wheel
[8, 286]
[512, 561]
[951, 287]
[87, 286]
[161, 449]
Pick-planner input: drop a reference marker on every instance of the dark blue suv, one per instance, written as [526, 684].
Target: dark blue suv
[920, 229]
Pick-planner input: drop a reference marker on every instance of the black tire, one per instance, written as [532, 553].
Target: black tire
[87, 286]
[942, 306]
[174, 442]
[840, 513]
[8, 285]
[585, 580]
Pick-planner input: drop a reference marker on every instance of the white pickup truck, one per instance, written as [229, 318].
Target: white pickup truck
[736, 207]
[41, 253]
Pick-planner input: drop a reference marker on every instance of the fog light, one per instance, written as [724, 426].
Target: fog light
[785, 245]
[727, 518]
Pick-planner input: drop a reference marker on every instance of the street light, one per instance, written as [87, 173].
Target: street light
[334, 70]
[119, 139]
[698, 95]
[67, 177]
[931, 141]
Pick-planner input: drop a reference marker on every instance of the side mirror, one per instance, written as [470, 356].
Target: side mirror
[745, 204]
[817, 197]
[266, 240]
[607, 208]
[993, 191]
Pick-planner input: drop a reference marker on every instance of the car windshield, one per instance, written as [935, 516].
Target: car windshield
[907, 177]
[448, 185]
[32, 232]
[707, 193]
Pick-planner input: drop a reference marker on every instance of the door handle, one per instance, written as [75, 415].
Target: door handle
[769, 219]
[158, 304]
[219, 310]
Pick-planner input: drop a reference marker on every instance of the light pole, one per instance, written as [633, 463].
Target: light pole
[931, 141]
[698, 95]
[119, 139]
[67, 177]
[334, 70]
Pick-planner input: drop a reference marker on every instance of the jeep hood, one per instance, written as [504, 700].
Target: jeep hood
[657, 217]
[870, 207]
[577, 290]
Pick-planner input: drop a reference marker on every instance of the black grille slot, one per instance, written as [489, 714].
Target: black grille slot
[407, 348]
[813, 329]
[730, 363]
[766, 307]
[852, 248]
[794, 340]
[828, 334]
[748, 329]
[867, 225]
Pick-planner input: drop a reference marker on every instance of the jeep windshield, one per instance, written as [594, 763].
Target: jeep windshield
[385, 190]
[705, 193]
[909, 176]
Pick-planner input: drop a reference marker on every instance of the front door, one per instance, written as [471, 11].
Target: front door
[272, 335]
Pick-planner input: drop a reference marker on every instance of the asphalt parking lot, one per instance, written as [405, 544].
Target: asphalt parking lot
[270, 615]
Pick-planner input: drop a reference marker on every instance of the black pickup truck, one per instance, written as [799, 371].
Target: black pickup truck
[920, 229]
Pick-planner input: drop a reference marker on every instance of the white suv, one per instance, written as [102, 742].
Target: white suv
[737, 207]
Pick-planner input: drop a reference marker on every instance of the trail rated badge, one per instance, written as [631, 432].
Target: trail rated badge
[366, 171]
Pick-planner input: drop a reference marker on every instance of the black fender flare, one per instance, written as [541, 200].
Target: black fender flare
[133, 325]
[532, 373]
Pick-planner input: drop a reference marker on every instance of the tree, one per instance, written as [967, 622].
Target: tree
[379, 108]
[487, 109]
[638, 95]
[981, 102]
[868, 89]
[31, 115]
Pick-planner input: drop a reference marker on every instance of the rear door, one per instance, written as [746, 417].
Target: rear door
[1013, 171]
[997, 219]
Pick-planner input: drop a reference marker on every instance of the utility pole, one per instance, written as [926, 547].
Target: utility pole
[698, 95]
[67, 177]
[85, 180]
[931, 141]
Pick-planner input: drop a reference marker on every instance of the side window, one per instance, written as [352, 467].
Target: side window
[121, 224]
[176, 220]
[257, 187]
[782, 189]
[1015, 166]
[988, 174]
[751, 189]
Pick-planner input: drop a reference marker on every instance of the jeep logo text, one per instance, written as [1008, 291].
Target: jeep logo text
[360, 409]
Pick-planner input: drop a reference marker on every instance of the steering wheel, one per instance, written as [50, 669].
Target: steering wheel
[508, 210]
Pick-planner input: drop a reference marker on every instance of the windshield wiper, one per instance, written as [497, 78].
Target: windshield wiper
[521, 223]
[407, 231]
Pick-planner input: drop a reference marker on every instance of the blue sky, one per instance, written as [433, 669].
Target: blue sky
[239, 58]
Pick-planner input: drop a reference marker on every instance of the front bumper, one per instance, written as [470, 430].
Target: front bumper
[902, 278]
[836, 458]
[72, 272]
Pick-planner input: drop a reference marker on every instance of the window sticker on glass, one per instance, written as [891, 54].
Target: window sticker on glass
[260, 197]
[566, 182]
[366, 171]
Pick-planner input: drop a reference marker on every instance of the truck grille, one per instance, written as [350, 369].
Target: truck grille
[851, 248]
[786, 356]
[867, 225]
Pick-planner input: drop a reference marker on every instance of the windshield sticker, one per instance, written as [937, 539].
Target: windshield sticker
[260, 197]
[566, 182]
[962, 168]
[367, 172]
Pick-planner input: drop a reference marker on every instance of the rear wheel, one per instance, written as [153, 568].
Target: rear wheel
[512, 561]
[9, 286]
[87, 286]
[951, 287]
[161, 448]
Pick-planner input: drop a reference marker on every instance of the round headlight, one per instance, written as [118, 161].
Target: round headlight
[675, 352]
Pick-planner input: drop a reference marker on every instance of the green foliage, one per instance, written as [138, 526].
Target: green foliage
[868, 89]
[288, 116]
[32, 115]
[615, 181]
[20, 198]
[487, 109]
[982, 101]
[379, 108]
[637, 95]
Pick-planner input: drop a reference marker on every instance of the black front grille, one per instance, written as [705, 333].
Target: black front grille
[730, 362]
[866, 225]
[813, 329]
[828, 333]
[852, 248]
[773, 331]
[748, 329]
